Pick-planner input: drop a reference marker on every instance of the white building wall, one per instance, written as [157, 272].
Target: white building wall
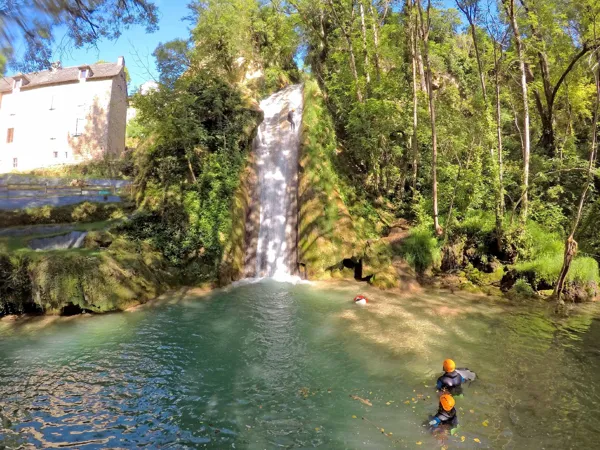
[58, 124]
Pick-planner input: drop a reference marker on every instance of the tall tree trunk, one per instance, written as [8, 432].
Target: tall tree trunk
[425, 27]
[420, 65]
[571, 244]
[479, 64]
[412, 31]
[375, 25]
[500, 199]
[363, 28]
[348, 39]
[509, 5]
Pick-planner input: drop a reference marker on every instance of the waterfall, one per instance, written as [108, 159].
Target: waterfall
[276, 151]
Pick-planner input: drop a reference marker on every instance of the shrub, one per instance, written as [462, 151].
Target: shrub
[421, 249]
[84, 212]
[521, 289]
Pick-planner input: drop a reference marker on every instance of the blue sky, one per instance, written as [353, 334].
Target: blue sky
[137, 46]
[134, 44]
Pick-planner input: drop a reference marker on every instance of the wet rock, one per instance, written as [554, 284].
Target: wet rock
[453, 256]
[580, 292]
[98, 239]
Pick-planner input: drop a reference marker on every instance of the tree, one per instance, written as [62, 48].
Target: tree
[86, 22]
[425, 23]
[470, 8]
[553, 29]
[511, 12]
[172, 60]
[571, 244]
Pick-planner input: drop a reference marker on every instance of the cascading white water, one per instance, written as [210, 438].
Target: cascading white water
[276, 150]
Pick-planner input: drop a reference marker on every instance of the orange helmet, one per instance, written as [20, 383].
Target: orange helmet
[447, 402]
[449, 365]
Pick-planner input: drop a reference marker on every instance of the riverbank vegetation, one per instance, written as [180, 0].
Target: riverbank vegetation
[461, 140]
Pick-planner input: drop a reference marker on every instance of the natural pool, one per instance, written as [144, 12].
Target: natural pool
[270, 365]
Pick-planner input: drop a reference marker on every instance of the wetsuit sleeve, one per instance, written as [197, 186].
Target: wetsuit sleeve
[439, 383]
[454, 420]
[437, 421]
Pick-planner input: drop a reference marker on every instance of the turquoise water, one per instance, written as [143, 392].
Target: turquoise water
[269, 365]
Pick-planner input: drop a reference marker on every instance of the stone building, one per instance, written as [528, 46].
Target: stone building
[62, 116]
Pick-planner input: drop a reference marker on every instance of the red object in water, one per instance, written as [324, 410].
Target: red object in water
[360, 299]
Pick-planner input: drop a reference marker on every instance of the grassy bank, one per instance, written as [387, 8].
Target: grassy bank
[82, 212]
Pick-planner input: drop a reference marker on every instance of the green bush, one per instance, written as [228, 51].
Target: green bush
[421, 249]
[521, 289]
[84, 212]
[545, 252]
[15, 285]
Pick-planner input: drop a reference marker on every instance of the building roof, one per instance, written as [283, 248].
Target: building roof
[66, 75]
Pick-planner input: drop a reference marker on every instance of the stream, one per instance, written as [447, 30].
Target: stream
[269, 365]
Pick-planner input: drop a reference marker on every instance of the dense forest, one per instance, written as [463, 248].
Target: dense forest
[475, 120]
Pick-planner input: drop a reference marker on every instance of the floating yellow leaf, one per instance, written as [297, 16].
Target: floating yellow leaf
[407, 402]
[317, 429]
[462, 439]
[426, 386]
[471, 411]
[419, 443]
[382, 430]
[485, 423]
[354, 417]
[413, 399]
[388, 403]
[477, 440]
[389, 434]
[429, 396]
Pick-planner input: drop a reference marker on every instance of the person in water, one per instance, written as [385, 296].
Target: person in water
[290, 119]
[452, 380]
[446, 414]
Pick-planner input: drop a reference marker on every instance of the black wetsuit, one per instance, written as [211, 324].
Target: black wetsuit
[450, 381]
[290, 119]
[444, 417]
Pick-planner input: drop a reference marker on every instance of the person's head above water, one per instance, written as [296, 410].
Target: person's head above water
[449, 365]
[447, 402]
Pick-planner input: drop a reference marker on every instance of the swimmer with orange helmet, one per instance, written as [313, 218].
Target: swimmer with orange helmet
[446, 414]
[453, 378]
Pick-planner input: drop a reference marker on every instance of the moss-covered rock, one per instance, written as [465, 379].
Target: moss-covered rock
[385, 278]
[326, 231]
[124, 275]
[98, 239]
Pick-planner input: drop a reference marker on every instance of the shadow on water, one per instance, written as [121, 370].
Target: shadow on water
[272, 365]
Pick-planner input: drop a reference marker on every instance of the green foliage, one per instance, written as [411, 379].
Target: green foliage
[421, 249]
[15, 287]
[117, 169]
[83, 212]
[172, 60]
[189, 163]
[521, 289]
[78, 24]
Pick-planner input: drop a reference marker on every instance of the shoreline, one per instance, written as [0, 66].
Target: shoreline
[193, 293]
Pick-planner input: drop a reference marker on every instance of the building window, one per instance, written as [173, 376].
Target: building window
[83, 74]
[15, 163]
[52, 108]
[67, 155]
[18, 83]
[55, 154]
[10, 136]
